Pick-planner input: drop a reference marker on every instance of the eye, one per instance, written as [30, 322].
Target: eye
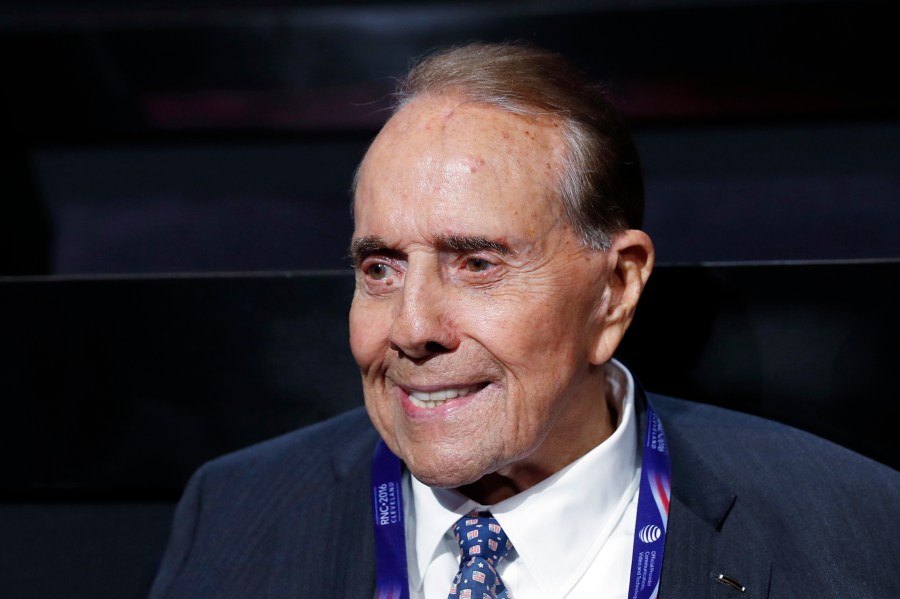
[477, 265]
[379, 271]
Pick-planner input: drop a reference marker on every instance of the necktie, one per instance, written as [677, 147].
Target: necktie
[482, 545]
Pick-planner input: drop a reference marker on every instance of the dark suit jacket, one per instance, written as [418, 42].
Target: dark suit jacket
[785, 514]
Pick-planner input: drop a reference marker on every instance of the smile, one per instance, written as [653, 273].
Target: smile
[434, 399]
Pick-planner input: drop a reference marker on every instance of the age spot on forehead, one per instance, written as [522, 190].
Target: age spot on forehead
[475, 164]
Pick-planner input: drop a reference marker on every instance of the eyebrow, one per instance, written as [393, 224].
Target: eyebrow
[362, 247]
[466, 243]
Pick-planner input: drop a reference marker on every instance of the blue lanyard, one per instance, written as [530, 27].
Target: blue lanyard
[649, 530]
[652, 512]
[390, 532]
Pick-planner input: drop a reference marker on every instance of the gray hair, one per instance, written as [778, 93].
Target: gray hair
[601, 185]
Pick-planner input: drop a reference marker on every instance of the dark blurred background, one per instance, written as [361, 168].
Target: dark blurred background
[148, 147]
[163, 136]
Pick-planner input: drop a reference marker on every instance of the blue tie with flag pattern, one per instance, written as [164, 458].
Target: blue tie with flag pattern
[482, 546]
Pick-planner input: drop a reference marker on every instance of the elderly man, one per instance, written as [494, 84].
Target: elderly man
[499, 262]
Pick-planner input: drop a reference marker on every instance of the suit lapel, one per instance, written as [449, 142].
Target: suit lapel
[706, 534]
[326, 544]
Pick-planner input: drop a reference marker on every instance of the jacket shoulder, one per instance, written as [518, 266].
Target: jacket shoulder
[246, 519]
[758, 498]
[339, 442]
[735, 444]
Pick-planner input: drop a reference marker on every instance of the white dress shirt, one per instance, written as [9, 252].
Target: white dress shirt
[572, 533]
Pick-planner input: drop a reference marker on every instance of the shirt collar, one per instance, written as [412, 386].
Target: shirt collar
[571, 513]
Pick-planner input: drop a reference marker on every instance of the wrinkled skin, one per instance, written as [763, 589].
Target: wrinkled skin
[470, 278]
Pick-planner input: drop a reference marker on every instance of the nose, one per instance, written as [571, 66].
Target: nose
[422, 326]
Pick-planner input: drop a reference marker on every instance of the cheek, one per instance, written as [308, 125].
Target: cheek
[368, 343]
[369, 326]
[515, 331]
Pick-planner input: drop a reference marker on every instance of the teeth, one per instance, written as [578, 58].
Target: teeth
[434, 399]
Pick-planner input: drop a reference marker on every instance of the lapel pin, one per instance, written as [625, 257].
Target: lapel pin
[731, 582]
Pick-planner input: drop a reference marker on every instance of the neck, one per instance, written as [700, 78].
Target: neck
[495, 487]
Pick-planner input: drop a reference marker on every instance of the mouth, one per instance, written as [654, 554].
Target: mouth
[437, 398]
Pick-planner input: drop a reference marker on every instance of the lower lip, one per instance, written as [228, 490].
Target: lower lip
[449, 406]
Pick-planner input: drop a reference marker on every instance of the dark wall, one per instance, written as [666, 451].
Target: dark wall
[155, 137]
[125, 385]
[736, 192]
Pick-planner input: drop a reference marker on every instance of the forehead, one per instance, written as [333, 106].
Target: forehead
[453, 116]
[442, 152]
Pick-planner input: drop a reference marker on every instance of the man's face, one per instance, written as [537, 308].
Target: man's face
[475, 320]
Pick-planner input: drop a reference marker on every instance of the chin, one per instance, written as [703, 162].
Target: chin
[447, 474]
[442, 481]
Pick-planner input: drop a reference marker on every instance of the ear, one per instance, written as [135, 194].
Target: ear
[631, 259]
